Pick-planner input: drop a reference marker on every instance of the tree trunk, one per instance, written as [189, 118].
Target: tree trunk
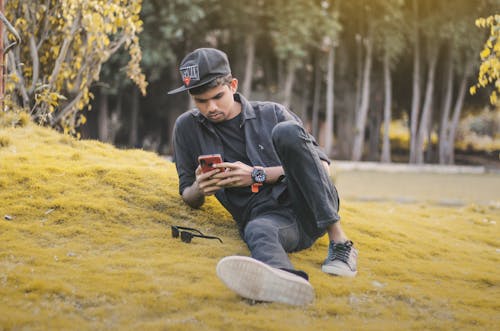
[423, 129]
[386, 142]
[415, 103]
[429, 151]
[330, 81]
[304, 105]
[115, 120]
[134, 118]
[269, 68]
[103, 116]
[374, 122]
[344, 103]
[290, 79]
[457, 110]
[316, 99]
[445, 116]
[246, 87]
[361, 115]
[280, 69]
[359, 73]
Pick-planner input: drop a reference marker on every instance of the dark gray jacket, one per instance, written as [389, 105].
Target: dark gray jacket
[194, 135]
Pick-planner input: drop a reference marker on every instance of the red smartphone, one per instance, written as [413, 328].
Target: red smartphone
[207, 161]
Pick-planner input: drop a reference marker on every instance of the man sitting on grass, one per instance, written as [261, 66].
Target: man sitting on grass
[274, 181]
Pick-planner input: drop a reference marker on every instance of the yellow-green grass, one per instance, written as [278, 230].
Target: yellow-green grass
[88, 247]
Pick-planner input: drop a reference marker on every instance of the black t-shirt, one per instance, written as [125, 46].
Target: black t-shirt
[242, 199]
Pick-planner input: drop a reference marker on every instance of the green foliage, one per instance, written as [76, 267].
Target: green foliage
[298, 26]
[167, 26]
[390, 28]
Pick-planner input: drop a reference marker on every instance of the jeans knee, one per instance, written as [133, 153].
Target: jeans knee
[257, 230]
[287, 133]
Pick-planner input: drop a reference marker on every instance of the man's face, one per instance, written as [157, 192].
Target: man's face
[217, 104]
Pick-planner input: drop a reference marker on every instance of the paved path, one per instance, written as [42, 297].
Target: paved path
[451, 186]
[404, 167]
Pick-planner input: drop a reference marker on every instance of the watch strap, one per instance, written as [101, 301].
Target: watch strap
[255, 187]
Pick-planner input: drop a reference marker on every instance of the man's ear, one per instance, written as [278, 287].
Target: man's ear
[234, 85]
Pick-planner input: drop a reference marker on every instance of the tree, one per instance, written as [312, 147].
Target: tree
[390, 41]
[170, 29]
[246, 24]
[362, 110]
[421, 121]
[292, 25]
[67, 42]
[415, 102]
[461, 45]
[329, 28]
[364, 104]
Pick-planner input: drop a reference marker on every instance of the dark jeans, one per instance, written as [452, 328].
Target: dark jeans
[303, 211]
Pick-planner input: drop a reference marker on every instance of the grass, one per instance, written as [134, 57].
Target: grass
[86, 245]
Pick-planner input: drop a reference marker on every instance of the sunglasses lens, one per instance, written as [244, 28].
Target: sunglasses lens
[186, 236]
[175, 232]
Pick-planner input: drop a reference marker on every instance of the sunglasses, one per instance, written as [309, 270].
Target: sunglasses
[187, 235]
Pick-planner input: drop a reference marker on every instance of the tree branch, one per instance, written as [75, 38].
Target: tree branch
[117, 45]
[36, 64]
[64, 51]
[66, 109]
[20, 85]
[45, 30]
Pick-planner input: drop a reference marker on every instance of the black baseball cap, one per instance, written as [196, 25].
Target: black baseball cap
[202, 66]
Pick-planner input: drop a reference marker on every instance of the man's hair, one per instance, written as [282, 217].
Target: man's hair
[223, 80]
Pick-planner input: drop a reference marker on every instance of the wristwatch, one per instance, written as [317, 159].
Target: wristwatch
[258, 177]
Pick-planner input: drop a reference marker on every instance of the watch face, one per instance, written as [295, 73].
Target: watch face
[258, 175]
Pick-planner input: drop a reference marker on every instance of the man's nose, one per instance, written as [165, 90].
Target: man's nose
[211, 105]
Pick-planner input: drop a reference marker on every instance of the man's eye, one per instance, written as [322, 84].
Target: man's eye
[218, 96]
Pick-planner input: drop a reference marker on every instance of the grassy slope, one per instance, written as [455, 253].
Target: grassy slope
[89, 247]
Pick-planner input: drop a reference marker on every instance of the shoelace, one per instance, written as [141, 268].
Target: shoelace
[340, 251]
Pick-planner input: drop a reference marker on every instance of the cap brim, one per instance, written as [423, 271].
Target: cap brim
[204, 82]
[177, 90]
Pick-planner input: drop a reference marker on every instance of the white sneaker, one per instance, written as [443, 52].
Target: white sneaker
[342, 259]
[256, 280]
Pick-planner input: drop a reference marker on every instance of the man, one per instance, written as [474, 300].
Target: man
[274, 181]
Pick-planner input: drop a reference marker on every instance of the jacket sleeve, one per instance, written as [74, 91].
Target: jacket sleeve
[183, 156]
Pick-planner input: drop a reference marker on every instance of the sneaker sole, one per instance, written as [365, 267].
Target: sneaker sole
[338, 270]
[255, 280]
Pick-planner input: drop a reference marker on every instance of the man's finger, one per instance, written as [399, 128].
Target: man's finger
[197, 172]
[223, 165]
[223, 175]
[210, 190]
[229, 181]
[209, 174]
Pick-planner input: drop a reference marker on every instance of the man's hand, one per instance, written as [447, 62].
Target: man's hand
[207, 183]
[233, 174]
[204, 184]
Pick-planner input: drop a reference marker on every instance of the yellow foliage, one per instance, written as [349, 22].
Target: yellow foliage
[489, 70]
[87, 245]
[399, 134]
[76, 37]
